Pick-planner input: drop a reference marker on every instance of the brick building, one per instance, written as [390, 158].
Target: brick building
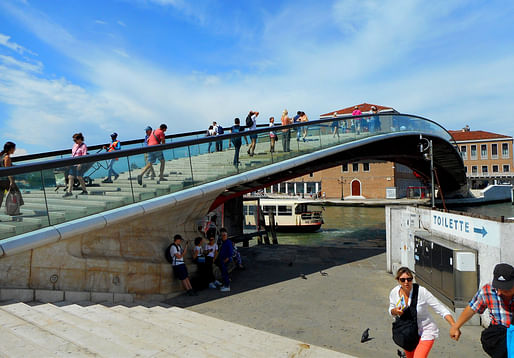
[364, 180]
[487, 156]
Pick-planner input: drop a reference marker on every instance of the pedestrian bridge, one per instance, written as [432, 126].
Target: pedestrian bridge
[126, 223]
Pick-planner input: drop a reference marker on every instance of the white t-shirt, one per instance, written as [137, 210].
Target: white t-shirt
[427, 328]
[254, 122]
[198, 250]
[176, 260]
[211, 249]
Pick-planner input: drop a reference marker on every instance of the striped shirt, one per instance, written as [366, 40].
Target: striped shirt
[500, 311]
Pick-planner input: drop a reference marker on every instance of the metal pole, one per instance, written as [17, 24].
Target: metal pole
[432, 172]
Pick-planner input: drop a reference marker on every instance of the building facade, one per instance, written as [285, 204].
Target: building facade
[487, 156]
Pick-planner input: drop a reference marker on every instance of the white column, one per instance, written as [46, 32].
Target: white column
[271, 189]
[294, 187]
[317, 187]
[286, 188]
[305, 188]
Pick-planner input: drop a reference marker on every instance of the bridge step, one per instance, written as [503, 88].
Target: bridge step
[49, 330]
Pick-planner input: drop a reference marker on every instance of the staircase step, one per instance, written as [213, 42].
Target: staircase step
[81, 332]
[47, 344]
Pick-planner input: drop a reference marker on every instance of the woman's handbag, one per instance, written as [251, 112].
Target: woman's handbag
[405, 327]
[494, 341]
[13, 201]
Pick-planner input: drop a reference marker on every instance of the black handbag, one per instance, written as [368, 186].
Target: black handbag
[494, 341]
[405, 327]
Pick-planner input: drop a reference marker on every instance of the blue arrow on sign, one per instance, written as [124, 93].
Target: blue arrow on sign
[481, 230]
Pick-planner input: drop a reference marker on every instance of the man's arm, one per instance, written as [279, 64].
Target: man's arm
[463, 318]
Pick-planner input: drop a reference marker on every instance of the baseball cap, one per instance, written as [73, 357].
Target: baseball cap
[148, 128]
[503, 277]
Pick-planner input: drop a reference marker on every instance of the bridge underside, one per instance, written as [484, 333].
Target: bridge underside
[402, 149]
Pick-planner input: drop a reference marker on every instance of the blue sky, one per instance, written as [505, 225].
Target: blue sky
[120, 65]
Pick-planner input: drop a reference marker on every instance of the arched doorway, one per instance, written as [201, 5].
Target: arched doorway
[356, 188]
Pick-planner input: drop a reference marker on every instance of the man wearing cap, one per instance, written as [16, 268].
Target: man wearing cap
[499, 299]
[115, 145]
[155, 138]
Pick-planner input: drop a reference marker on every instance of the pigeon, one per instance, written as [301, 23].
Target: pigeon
[401, 354]
[323, 273]
[365, 336]
[303, 276]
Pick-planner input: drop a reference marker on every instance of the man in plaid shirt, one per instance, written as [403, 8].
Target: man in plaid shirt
[498, 298]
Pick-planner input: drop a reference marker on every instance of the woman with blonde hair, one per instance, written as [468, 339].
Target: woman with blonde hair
[400, 299]
[286, 133]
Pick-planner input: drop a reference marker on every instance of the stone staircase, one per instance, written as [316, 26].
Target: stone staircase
[94, 330]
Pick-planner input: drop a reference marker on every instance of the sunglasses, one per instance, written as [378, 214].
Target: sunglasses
[403, 279]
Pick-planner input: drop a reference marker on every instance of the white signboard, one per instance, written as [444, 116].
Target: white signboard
[478, 230]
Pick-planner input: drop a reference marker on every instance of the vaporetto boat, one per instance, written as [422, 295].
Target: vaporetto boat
[291, 215]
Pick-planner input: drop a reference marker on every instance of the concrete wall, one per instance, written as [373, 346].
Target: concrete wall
[124, 258]
[494, 247]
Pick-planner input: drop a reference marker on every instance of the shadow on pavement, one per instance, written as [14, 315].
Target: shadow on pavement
[267, 265]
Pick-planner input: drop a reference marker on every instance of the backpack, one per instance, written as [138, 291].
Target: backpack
[220, 130]
[167, 253]
[249, 121]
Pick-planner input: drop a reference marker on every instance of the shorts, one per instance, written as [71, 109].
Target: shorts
[77, 170]
[154, 156]
[180, 272]
[253, 136]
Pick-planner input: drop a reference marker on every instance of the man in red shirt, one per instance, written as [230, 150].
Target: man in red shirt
[155, 138]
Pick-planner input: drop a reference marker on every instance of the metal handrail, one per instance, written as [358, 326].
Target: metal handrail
[66, 162]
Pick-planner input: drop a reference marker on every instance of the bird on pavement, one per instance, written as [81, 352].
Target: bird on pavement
[365, 336]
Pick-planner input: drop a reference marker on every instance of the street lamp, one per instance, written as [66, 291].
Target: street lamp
[425, 147]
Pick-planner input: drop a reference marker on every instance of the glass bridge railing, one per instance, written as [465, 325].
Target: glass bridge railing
[43, 188]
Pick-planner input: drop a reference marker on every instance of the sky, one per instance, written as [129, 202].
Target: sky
[99, 66]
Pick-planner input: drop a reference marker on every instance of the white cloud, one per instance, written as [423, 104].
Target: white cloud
[5, 41]
[121, 23]
[101, 22]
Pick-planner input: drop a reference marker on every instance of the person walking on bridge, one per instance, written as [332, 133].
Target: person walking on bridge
[251, 123]
[498, 297]
[155, 138]
[5, 161]
[286, 133]
[115, 145]
[236, 141]
[151, 172]
[79, 149]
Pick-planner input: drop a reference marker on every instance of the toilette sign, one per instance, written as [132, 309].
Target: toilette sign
[479, 230]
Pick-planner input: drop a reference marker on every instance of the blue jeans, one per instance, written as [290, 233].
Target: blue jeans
[236, 155]
[111, 171]
[224, 274]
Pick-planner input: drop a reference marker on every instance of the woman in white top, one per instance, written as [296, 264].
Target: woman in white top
[400, 298]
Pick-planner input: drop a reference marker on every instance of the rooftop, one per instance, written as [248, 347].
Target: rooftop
[467, 135]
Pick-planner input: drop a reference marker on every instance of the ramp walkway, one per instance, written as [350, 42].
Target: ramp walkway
[190, 161]
[72, 330]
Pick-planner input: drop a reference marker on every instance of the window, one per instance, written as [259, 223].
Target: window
[267, 208]
[365, 167]
[505, 150]
[495, 169]
[355, 167]
[284, 210]
[463, 152]
[344, 168]
[484, 169]
[473, 151]
[506, 168]
[494, 150]
[483, 151]
[474, 169]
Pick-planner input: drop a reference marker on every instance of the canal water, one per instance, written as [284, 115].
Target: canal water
[343, 227]
[346, 226]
